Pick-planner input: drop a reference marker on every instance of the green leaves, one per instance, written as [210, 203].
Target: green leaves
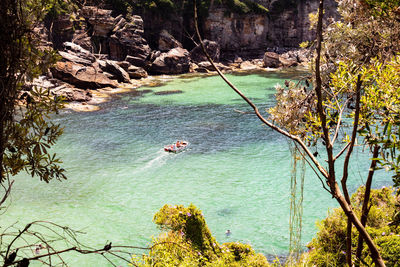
[26, 128]
[189, 242]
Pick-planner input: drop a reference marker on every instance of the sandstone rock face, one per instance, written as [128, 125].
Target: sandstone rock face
[237, 33]
[174, 61]
[250, 35]
[213, 49]
[117, 36]
[137, 61]
[75, 53]
[82, 38]
[167, 42]
[126, 39]
[299, 55]
[100, 19]
[85, 77]
[119, 73]
[72, 57]
[288, 24]
[62, 30]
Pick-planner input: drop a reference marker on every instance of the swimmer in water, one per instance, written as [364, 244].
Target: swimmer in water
[228, 232]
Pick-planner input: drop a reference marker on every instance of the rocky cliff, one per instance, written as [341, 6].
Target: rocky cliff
[284, 27]
[101, 47]
[250, 34]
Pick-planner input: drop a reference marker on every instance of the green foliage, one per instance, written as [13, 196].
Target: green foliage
[245, 7]
[382, 7]
[353, 49]
[26, 133]
[380, 106]
[190, 222]
[188, 242]
[168, 8]
[58, 7]
[328, 247]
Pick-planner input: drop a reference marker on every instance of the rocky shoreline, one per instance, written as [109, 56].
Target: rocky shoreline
[107, 54]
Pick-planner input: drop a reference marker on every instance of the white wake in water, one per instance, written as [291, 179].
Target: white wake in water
[155, 162]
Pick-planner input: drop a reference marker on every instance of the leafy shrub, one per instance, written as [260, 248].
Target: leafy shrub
[188, 242]
[329, 246]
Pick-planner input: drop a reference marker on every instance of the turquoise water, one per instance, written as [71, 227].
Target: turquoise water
[236, 170]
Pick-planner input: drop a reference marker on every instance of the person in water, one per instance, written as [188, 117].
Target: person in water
[228, 232]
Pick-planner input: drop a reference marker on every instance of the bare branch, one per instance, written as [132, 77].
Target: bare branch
[352, 142]
[7, 193]
[337, 126]
[318, 91]
[341, 151]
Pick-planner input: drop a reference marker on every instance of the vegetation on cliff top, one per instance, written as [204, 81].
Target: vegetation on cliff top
[168, 7]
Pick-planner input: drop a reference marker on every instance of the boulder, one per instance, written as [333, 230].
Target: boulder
[72, 94]
[271, 60]
[124, 64]
[207, 65]
[136, 61]
[119, 73]
[299, 55]
[288, 62]
[212, 48]
[86, 77]
[77, 54]
[167, 42]
[174, 61]
[136, 72]
[79, 51]
[72, 57]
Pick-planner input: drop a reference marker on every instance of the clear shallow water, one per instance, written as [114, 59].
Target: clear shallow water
[236, 171]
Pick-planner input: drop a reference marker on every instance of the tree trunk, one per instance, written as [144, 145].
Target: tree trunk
[375, 255]
[365, 210]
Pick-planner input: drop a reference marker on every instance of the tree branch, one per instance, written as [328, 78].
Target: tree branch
[364, 209]
[250, 103]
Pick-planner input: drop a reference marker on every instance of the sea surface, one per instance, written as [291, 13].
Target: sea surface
[236, 170]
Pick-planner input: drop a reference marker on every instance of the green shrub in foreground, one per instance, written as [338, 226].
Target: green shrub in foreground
[187, 241]
[328, 248]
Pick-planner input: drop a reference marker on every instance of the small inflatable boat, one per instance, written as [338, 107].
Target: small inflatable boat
[179, 146]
